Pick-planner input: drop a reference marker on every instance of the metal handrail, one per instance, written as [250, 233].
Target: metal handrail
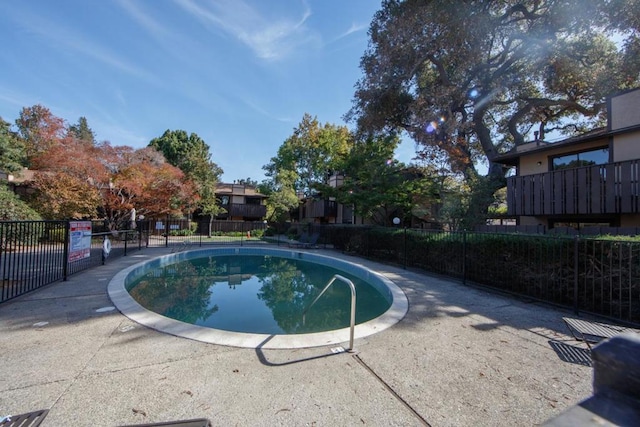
[353, 304]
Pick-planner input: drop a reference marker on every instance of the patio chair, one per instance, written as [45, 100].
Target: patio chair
[312, 242]
[304, 238]
[30, 419]
[593, 332]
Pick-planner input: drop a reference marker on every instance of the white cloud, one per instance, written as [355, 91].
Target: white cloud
[355, 28]
[143, 19]
[269, 38]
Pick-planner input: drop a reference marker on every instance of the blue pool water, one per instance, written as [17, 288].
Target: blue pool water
[258, 293]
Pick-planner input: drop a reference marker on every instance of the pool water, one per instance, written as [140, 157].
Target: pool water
[261, 294]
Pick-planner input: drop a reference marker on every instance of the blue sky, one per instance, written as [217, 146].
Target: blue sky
[239, 73]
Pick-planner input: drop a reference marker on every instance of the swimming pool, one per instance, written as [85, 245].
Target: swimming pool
[289, 336]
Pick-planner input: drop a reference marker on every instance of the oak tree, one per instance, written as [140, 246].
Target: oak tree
[475, 78]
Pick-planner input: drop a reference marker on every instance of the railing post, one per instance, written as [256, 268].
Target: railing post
[576, 241]
[103, 258]
[405, 247]
[166, 233]
[65, 256]
[352, 288]
[464, 257]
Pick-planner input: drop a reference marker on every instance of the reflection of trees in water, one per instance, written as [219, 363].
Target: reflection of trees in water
[287, 289]
[183, 290]
[179, 291]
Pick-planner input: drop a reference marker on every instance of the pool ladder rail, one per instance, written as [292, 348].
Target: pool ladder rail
[353, 305]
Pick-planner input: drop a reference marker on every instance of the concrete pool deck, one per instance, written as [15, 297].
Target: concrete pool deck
[461, 357]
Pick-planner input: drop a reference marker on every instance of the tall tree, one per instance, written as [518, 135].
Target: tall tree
[191, 154]
[39, 130]
[379, 187]
[12, 152]
[154, 191]
[474, 77]
[142, 179]
[82, 131]
[311, 153]
[188, 152]
[282, 197]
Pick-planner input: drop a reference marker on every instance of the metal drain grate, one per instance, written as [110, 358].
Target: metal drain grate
[200, 422]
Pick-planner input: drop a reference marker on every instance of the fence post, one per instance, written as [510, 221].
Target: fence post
[405, 247]
[126, 238]
[464, 257]
[65, 256]
[576, 241]
[166, 233]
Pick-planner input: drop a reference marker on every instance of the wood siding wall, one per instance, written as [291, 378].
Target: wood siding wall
[612, 188]
[247, 211]
[320, 209]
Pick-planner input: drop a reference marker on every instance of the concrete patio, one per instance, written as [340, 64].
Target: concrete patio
[461, 357]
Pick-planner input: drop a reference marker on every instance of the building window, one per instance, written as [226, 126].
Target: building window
[599, 156]
[224, 200]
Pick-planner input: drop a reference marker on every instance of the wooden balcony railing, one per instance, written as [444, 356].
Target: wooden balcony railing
[247, 211]
[612, 188]
[320, 209]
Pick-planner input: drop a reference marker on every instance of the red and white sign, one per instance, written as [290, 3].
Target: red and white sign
[79, 240]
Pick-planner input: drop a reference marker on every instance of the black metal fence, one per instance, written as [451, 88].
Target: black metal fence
[180, 233]
[36, 253]
[591, 275]
[569, 231]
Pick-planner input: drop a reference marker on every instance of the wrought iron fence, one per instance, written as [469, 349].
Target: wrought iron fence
[181, 233]
[36, 253]
[591, 275]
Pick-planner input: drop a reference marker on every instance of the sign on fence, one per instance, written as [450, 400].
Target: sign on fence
[79, 240]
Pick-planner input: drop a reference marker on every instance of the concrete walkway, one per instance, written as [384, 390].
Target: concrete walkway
[461, 357]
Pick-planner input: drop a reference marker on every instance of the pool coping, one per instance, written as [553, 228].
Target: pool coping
[134, 311]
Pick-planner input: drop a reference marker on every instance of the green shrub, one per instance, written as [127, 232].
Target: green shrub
[183, 232]
[257, 233]
[12, 208]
